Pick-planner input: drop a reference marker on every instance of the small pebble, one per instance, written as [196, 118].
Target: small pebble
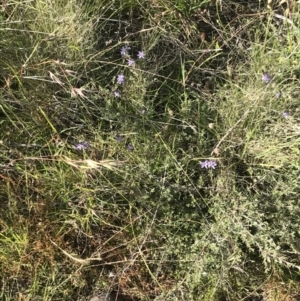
[102, 297]
[95, 298]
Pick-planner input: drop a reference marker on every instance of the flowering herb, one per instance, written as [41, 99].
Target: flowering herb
[130, 62]
[286, 115]
[119, 138]
[141, 55]
[120, 79]
[266, 78]
[144, 111]
[82, 146]
[129, 147]
[208, 164]
[117, 94]
[124, 50]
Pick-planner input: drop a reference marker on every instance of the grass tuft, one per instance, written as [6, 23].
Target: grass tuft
[149, 150]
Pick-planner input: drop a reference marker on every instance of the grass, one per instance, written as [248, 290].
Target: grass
[101, 184]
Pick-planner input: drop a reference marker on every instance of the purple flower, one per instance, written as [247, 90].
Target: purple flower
[286, 115]
[130, 62]
[266, 78]
[129, 147]
[208, 164]
[117, 94]
[277, 95]
[144, 111]
[124, 50]
[119, 138]
[141, 55]
[120, 79]
[82, 146]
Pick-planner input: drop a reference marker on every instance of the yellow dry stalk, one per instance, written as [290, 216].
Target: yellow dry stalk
[91, 164]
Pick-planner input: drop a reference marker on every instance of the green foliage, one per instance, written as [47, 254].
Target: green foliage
[101, 183]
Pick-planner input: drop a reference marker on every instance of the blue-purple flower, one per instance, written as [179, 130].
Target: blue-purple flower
[117, 94]
[208, 164]
[130, 62]
[141, 55]
[119, 138]
[266, 78]
[82, 146]
[286, 115]
[129, 147]
[278, 95]
[124, 50]
[120, 79]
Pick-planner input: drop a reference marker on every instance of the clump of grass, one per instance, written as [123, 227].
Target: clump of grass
[136, 161]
